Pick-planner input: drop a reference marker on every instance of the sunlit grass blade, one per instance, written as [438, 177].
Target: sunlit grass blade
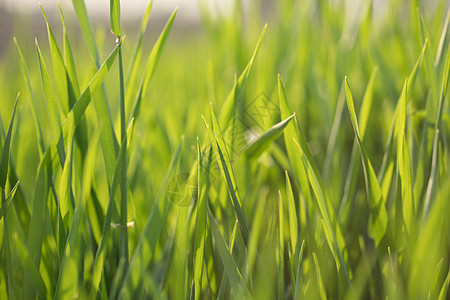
[101, 250]
[320, 285]
[379, 218]
[26, 78]
[432, 180]
[145, 248]
[386, 172]
[86, 28]
[36, 230]
[364, 113]
[229, 264]
[432, 293]
[135, 57]
[114, 16]
[444, 289]
[53, 107]
[232, 100]
[31, 272]
[200, 226]
[280, 260]
[441, 45]
[151, 65]
[299, 281]
[216, 139]
[59, 70]
[293, 222]
[68, 286]
[404, 166]
[75, 115]
[8, 200]
[328, 228]
[4, 158]
[256, 147]
[291, 132]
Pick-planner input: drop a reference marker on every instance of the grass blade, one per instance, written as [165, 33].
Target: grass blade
[31, 272]
[229, 264]
[379, 218]
[151, 65]
[4, 158]
[293, 222]
[59, 69]
[52, 106]
[114, 16]
[232, 100]
[147, 242]
[404, 166]
[200, 222]
[36, 230]
[256, 147]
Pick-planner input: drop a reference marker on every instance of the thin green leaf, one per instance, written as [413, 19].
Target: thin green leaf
[232, 100]
[31, 272]
[114, 16]
[145, 248]
[444, 289]
[36, 230]
[151, 65]
[52, 106]
[59, 70]
[299, 281]
[256, 147]
[404, 166]
[200, 226]
[378, 215]
[4, 158]
[8, 200]
[68, 286]
[26, 78]
[229, 264]
[293, 222]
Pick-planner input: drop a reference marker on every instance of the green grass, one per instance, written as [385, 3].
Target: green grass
[301, 153]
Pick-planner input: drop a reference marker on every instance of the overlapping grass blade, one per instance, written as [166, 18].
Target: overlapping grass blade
[52, 107]
[291, 132]
[432, 180]
[145, 248]
[444, 289]
[86, 28]
[31, 271]
[114, 16]
[231, 269]
[4, 157]
[223, 160]
[151, 65]
[59, 70]
[200, 226]
[67, 286]
[299, 280]
[135, 57]
[379, 218]
[101, 250]
[404, 166]
[256, 147]
[8, 200]
[36, 230]
[293, 222]
[232, 100]
[364, 114]
[26, 79]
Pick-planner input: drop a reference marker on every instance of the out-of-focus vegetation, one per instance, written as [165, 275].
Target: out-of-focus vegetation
[302, 158]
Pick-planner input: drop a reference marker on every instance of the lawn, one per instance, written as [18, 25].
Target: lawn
[297, 151]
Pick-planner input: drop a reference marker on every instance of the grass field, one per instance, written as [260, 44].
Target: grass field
[295, 153]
